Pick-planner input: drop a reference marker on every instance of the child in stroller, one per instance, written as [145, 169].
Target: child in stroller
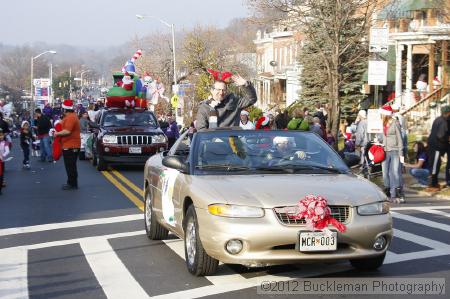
[372, 160]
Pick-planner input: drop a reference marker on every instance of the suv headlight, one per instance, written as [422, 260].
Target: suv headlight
[109, 139]
[224, 210]
[158, 139]
[375, 208]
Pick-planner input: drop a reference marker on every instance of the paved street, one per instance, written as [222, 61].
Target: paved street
[91, 243]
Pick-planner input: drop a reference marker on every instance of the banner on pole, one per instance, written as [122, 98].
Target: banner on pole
[377, 72]
[374, 122]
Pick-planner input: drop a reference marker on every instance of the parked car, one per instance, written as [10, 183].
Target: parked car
[232, 196]
[125, 136]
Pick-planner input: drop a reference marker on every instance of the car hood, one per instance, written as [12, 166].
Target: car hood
[132, 130]
[274, 190]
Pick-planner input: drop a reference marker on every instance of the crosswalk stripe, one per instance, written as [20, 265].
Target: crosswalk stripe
[416, 255]
[254, 282]
[73, 241]
[436, 212]
[70, 224]
[112, 275]
[421, 240]
[420, 207]
[13, 274]
[421, 221]
[227, 276]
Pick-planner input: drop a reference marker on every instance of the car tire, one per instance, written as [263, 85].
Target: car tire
[367, 264]
[101, 164]
[154, 230]
[198, 262]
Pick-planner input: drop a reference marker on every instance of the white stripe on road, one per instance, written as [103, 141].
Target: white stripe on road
[422, 221]
[416, 255]
[421, 208]
[421, 240]
[310, 271]
[112, 275]
[73, 241]
[226, 275]
[77, 223]
[436, 212]
[13, 273]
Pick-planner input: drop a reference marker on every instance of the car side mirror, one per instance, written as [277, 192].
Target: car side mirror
[175, 162]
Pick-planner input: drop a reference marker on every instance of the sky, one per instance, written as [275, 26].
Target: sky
[103, 23]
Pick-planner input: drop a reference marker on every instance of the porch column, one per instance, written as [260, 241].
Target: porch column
[398, 71]
[409, 79]
[445, 66]
[431, 67]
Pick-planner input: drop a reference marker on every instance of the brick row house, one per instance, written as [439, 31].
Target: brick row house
[278, 74]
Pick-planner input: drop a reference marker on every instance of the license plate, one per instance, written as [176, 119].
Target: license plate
[135, 150]
[317, 241]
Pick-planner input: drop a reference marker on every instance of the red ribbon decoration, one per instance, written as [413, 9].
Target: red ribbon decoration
[317, 214]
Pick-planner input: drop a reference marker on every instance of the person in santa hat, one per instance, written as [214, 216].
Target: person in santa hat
[223, 109]
[245, 122]
[71, 143]
[393, 147]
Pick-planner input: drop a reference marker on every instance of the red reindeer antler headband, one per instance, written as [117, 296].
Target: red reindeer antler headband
[221, 76]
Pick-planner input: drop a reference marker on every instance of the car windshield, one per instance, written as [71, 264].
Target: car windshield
[243, 152]
[128, 119]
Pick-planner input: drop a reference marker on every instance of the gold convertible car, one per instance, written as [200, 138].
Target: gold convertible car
[231, 195]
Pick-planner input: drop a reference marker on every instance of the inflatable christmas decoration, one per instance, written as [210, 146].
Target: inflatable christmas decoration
[127, 89]
[317, 214]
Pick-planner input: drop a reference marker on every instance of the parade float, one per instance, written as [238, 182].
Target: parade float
[131, 91]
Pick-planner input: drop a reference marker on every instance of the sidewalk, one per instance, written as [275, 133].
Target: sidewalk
[416, 196]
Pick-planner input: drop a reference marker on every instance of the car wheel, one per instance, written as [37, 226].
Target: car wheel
[198, 262]
[101, 164]
[154, 230]
[367, 264]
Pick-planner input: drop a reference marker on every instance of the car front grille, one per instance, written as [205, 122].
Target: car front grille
[134, 139]
[284, 214]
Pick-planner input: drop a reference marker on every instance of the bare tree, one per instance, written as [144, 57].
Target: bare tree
[333, 29]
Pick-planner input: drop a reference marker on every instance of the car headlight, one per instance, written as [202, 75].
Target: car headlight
[224, 210]
[158, 139]
[375, 208]
[109, 139]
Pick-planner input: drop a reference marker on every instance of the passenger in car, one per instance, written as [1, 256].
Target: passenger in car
[223, 109]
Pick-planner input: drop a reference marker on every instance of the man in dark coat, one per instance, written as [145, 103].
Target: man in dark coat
[437, 146]
[223, 109]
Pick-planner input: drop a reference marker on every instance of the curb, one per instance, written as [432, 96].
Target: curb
[428, 194]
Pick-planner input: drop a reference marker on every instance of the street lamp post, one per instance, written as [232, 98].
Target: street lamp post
[171, 26]
[31, 81]
[81, 79]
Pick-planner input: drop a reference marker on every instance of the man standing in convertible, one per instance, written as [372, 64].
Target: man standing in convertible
[223, 109]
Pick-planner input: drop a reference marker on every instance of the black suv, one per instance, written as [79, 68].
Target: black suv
[126, 136]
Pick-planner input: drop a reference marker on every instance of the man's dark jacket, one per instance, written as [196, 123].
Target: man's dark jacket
[228, 111]
[43, 125]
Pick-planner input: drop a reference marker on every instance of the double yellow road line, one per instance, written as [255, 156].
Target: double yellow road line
[118, 180]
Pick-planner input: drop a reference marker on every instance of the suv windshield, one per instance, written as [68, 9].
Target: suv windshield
[265, 152]
[130, 118]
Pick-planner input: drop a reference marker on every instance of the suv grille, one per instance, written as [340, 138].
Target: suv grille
[134, 139]
[340, 213]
